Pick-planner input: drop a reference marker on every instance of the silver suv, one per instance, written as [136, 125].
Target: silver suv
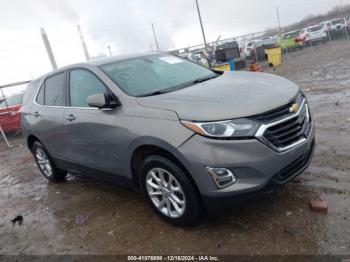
[190, 138]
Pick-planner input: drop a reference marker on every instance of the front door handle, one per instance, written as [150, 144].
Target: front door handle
[36, 114]
[70, 117]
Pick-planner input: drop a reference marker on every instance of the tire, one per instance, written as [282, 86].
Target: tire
[191, 209]
[45, 164]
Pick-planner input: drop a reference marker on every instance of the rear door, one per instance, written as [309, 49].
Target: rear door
[47, 114]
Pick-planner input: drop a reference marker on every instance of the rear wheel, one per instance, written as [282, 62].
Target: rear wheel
[45, 163]
[170, 192]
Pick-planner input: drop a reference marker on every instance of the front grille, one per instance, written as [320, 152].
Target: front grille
[280, 112]
[294, 168]
[291, 131]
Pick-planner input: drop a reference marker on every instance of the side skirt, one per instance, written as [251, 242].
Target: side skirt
[95, 173]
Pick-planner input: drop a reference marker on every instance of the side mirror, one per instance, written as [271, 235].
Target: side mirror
[97, 100]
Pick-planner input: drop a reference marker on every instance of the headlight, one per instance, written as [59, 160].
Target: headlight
[242, 127]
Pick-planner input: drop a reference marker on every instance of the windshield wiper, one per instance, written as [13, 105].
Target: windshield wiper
[181, 86]
[200, 80]
[155, 93]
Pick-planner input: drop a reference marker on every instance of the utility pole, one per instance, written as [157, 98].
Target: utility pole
[201, 23]
[279, 28]
[155, 37]
[86, 53]
[48, 48]
[278, 19]
[110, 52]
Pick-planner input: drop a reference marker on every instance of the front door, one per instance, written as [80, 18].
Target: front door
[94, 134]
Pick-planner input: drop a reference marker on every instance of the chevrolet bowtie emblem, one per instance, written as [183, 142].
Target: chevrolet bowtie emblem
[294, 108]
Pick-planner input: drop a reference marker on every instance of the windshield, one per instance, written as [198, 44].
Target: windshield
[12, 101]
[156, 73]
[338, 21]
[314, 29]
[291, 35]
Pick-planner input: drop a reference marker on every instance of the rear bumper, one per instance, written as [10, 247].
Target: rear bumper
[288, 173]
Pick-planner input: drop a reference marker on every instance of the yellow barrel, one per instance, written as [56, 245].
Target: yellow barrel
[274, 56]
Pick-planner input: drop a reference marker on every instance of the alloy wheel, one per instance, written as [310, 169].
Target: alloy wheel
[165, 192]
[43, 162]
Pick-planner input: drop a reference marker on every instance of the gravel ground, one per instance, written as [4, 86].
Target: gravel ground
[82, 216]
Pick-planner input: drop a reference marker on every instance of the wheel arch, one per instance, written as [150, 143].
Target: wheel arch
[30, 141]
[145, 147]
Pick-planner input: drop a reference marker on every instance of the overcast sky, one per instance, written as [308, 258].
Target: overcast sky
[125, 25]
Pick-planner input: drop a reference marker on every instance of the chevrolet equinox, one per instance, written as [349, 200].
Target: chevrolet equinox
[190, 138]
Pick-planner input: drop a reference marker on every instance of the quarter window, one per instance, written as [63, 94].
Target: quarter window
[40, 97]
[83, 84]
[54, 94]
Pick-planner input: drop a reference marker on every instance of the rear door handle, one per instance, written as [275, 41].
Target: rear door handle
[36, 114]
[70, 117]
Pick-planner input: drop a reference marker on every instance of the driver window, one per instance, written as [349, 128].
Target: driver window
[83, 83]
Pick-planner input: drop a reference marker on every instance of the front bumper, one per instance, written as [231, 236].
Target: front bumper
[258, 168]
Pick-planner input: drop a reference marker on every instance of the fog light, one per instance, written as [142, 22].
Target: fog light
[222, 177]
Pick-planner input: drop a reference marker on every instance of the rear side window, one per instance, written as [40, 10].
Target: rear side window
[82, 84]
[54, 90]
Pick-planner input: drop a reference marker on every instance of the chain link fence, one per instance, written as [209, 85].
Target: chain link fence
[11, 99]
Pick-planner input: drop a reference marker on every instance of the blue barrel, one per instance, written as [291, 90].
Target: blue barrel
[232, 65]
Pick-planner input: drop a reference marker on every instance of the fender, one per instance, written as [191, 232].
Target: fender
[153, 141]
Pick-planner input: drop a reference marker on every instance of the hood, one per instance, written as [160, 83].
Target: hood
[231, 95]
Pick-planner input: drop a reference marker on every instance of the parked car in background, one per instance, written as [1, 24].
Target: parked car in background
[303, 37]
[317, 34]
[197, 57]
[338, 28]
[338, 24]
[327, 26]
[186, 136]
[10, 117]
[291, 40]
[200, 58]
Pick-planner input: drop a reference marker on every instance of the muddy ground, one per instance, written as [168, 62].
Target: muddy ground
[82, 216]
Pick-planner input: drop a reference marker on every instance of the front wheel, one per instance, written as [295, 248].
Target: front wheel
[170, 192]
[45, 164]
